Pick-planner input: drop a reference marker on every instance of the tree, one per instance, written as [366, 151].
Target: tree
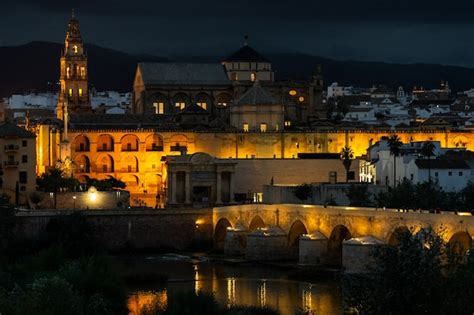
[106, 184]
[303, 192]
[346, 156]
[54, 180]
[420, 275]
[395, 144]
[359, 195]
[427, 150]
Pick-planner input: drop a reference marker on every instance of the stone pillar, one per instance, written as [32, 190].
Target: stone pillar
[231, 190]
[219, 188]
[187, 187]
[173, 187]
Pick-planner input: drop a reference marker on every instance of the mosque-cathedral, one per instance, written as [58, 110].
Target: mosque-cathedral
[230, 110]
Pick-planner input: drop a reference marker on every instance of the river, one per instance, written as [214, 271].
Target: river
[231, 284]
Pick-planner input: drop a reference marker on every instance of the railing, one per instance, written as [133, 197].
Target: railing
[153, 148]
[107, 149]
[83, 149]
[11, 147]
[10, 163]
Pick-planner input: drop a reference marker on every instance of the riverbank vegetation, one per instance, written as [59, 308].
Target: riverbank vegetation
[422, 275]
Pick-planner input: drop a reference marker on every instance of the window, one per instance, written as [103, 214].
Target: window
[80, 92]
[460, 173]
[68, 72]
[245, 127]
[287, 123]
[24, 159]
[23, 177]
[83, 71]
[234, 77]
[436, 174]
[203, 105]
[24, 143]
[253, 76]
[277, 127]
[159, 108]
[70, 92]
[411, 176]
[263, 127]
[180, 105]
[450, 173]
[351, 175]
[75, 49]
[104, 168]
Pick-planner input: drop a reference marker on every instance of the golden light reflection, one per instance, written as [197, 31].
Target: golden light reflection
[197, 281]
[262, 293]
[141, 301]
[230, 292]
[307, 301]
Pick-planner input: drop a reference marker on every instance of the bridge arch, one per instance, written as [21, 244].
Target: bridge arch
[220, 232]
[256, 223]
[460, 242]
[296, 230]
[339, 234]
[397, 234]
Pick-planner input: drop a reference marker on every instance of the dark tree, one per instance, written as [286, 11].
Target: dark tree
[359, 195]
[303, 192]
[395, 144]
[346, 157]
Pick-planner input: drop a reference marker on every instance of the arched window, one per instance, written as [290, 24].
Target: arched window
[203, 101]
[81, 144]
[105, 164]
[105, 143]
[83, 164]
[129, 143]
[131, 164]
[223, 100]
[181, 101]
[154, 142]
[75, 49]
[159, 103]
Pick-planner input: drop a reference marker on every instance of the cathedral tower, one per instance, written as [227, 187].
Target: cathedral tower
[74, 93]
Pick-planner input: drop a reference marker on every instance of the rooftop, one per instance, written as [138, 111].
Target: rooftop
[246, 53]
[441, 164]
[8, 129]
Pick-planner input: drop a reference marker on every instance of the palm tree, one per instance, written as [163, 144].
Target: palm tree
[346, 156]
[427, 150]
[395, 144]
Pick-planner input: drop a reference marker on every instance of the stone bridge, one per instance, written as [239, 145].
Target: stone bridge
[318, 234]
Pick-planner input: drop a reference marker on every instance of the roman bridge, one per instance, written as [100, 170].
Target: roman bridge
[267, 232]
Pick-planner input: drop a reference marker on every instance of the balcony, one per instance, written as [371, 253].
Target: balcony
[10, 164]
[178, 148]
[11, 148]
[105, 149]
[155, 148]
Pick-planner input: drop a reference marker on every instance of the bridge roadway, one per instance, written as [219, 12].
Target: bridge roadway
[337, 224]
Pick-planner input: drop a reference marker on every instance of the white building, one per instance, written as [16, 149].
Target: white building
[335, 90]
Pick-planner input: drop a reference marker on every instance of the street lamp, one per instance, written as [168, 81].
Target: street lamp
[74, 199]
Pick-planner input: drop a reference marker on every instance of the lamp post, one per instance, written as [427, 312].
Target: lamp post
[74, 202]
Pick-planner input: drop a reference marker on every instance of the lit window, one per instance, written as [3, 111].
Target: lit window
[277, 127]
[68, 72]
[180, 105]
[234, 77]
[287, 123]
[301, 99]
[75, 49]
[246, 127]
[80, 92]
[253, 76]
[203, 105]
[159, 108]
[292, 92]
[263, 127]
[70, 92]
[83, 71]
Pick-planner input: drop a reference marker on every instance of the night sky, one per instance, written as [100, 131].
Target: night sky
[402, 31]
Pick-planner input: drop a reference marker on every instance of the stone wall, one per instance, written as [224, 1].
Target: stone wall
[87, 200]
[140, 229]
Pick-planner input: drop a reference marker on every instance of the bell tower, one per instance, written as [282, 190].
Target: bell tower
[74, 93]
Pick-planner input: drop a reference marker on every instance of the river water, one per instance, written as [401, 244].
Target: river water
[231, 284]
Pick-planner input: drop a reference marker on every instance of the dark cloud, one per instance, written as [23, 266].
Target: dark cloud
[382, 30]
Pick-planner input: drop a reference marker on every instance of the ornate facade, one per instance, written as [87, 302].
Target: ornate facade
[74, 92]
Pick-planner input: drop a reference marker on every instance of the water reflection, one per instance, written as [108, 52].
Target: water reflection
[238, 285]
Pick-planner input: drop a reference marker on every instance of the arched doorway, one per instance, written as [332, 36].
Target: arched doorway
[256, 223]
[220, 233]
[460, 243]
[397, 235]
[339, 234]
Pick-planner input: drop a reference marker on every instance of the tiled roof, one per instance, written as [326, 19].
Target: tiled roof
[441, 164]
[163, 73]
[256, 96]
[246, 53]
[7, 129]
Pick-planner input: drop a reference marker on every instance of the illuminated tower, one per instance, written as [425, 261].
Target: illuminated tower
[74, 91]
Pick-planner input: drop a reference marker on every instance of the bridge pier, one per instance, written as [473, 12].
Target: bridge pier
[313, 249]
[357, 254]
[235, 242]
[267, 244]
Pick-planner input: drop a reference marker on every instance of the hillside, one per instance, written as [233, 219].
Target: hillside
[33, 65]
